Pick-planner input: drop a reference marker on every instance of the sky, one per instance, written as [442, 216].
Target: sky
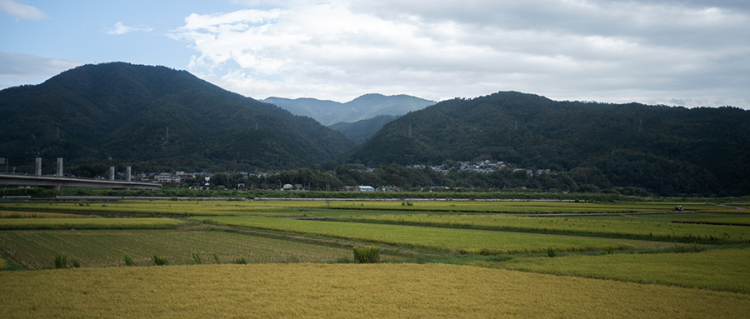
[672, 52]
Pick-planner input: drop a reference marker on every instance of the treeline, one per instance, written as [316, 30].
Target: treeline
[418, 179]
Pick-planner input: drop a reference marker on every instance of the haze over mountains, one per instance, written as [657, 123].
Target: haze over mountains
[118, 110]
[364, 107]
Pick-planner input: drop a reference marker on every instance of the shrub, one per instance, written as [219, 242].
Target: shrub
[128, 260]
[61, 261]
[216, 257]
[551, 252]
[196, 257]
[76, 263]
[240, 260]
[369, 255]
[159, 261]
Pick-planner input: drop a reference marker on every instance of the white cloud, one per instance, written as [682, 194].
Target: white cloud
[650, 52]
[21, 10]
[17, 69]
[119, 29]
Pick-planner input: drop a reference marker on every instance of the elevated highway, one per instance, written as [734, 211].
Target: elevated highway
[55, 182]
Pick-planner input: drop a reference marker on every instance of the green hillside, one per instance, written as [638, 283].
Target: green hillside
[123, 111]
[667, 150]
[360, 131]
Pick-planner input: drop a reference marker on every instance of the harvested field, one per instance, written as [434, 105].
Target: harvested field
[105, 248]
[64, 223]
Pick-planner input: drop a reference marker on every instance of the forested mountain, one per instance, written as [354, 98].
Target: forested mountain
[364, 107]
[158, 117]
[667, 150]
[360, 131]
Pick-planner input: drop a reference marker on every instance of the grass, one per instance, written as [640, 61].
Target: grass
[616, 228]
[105, 248]
[720, 269]
[466, 241]
[3, 263]
[347, 290]
[57, 223]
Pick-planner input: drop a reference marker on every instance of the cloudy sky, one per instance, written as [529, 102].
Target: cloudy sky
[673, 52]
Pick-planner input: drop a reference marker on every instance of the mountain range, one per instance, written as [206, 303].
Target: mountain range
[667, 150]
[364, 107]
[158, 117]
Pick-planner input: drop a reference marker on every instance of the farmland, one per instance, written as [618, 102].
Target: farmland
[467, 241]
[621, 228]
[722, 269]
[336, 291]
[58, 223]
[439, 259]
[736, 221]
[331, 208]
[105, 248]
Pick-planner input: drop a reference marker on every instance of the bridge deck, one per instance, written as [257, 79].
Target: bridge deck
[55, 182]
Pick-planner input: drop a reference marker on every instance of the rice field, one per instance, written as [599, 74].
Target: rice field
[623, 228]
[293, 208]
[466, 241]
[186, 208]
[736, 221]
[24, 214]
[105, 248]
[60, 223]
[721, 269]
[346, 291]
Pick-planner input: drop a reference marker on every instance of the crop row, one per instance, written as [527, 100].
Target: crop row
[721, 269]
[736, 221]
[466, 241]
[641, 229]
[105, 248]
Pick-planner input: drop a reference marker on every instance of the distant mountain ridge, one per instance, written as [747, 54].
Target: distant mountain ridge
[667, 150]
[361, 130]
[123, 111]
[364, 107]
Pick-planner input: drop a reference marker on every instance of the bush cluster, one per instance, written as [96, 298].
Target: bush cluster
[367, 255]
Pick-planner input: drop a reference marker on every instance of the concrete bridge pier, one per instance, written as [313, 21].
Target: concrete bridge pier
[59, 166]
[111, 173]
[127, 174]
[38, 167]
